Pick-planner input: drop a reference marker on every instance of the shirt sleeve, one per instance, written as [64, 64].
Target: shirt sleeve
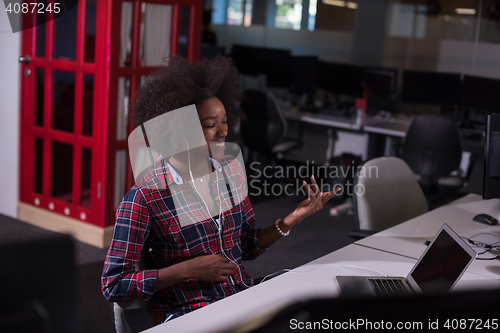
[249, 235]
[120, 280]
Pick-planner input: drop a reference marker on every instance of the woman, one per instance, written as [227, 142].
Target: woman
[190, 212]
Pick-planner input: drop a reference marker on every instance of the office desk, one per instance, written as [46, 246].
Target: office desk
[315, 279]
[389, 128]
[407, 239]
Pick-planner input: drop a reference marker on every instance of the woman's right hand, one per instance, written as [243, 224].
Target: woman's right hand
[212, 267]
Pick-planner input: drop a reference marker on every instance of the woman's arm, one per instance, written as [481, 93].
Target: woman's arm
[269, 235]
[214, 268]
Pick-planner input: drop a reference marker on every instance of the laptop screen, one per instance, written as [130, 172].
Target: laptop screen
[442, 265]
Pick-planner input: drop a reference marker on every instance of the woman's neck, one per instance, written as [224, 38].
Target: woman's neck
[199, 167]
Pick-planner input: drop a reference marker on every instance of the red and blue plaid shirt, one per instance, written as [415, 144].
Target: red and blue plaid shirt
[165, 214]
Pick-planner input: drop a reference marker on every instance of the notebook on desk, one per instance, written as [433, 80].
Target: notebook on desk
[437, 271]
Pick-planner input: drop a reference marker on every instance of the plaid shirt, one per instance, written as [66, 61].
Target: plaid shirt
[165, 214]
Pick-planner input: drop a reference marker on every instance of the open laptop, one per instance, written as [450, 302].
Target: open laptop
[437, 271]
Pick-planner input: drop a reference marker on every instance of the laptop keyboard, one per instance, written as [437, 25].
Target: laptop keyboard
[389, 287]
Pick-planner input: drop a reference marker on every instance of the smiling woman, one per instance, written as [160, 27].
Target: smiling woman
[189, 211]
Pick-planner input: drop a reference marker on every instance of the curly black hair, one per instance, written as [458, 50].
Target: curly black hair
[182, 83]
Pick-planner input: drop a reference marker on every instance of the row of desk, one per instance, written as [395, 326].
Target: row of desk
[391, 252]
[390, 128]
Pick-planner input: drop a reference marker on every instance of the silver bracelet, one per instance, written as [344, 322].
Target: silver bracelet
[284, 234]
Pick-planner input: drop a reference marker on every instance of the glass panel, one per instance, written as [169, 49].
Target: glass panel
[39, 96]
[62, 171]
[184, 31]
[288, 14]
[489, 24]
[335, 15]
[121, 160]
[235, 12]
[126, 34]
[65, 35]
[40, 32]
[86, 177]
[38, 167]
[90, 17]
[311, 23]
[122, 112]
[64, 101]
[156, 30]
[88, 104]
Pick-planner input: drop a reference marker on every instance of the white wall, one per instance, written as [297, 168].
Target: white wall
[327, 45]
[9, 113]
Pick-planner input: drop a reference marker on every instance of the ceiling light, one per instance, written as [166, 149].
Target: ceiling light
[338, 3]
[465, 11]
[351, 5]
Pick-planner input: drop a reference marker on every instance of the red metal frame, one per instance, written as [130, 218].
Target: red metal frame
[106, 72]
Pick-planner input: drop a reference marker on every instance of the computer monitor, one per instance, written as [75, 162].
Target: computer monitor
[341, 78]
[246, 59]
[276, 64]
[480, 94]
[39, 285]
[432, 88]
[382, 86]
[305, 72]
[491, 176]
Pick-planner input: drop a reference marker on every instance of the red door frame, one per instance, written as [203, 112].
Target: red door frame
[134, 72]
[29, 130]
[106, 72]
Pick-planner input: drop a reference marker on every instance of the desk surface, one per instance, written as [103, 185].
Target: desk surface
[315, 279]
[407, 239]
[391, 252]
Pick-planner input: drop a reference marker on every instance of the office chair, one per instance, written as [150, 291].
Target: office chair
[134, 316]
[385, 193]
[265, 128]
[433, 149]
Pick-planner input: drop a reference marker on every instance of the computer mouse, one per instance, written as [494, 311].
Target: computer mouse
[486, 219]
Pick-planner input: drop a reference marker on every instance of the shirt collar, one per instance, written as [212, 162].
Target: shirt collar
[171, 176]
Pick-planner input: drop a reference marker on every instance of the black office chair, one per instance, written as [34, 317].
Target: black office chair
[265, 128]
[433, 150]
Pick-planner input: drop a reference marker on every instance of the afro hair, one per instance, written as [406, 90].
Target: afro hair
[181, 83]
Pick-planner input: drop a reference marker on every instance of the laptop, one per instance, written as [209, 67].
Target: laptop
[437, 271]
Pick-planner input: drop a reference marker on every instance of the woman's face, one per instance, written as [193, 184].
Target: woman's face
[213, 121]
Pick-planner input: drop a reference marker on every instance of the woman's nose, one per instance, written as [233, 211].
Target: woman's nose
[222, 130]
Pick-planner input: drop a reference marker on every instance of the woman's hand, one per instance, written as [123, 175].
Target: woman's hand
[312, 204]
[214, 268]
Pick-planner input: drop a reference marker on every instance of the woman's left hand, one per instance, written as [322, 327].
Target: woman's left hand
[312, 204]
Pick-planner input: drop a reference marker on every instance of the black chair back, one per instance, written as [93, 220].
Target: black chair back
[432, 146]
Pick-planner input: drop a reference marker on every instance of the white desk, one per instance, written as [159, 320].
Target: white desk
[407, 239]
[339, 122]
[391, 252]
[315, 279]
[394, 126]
